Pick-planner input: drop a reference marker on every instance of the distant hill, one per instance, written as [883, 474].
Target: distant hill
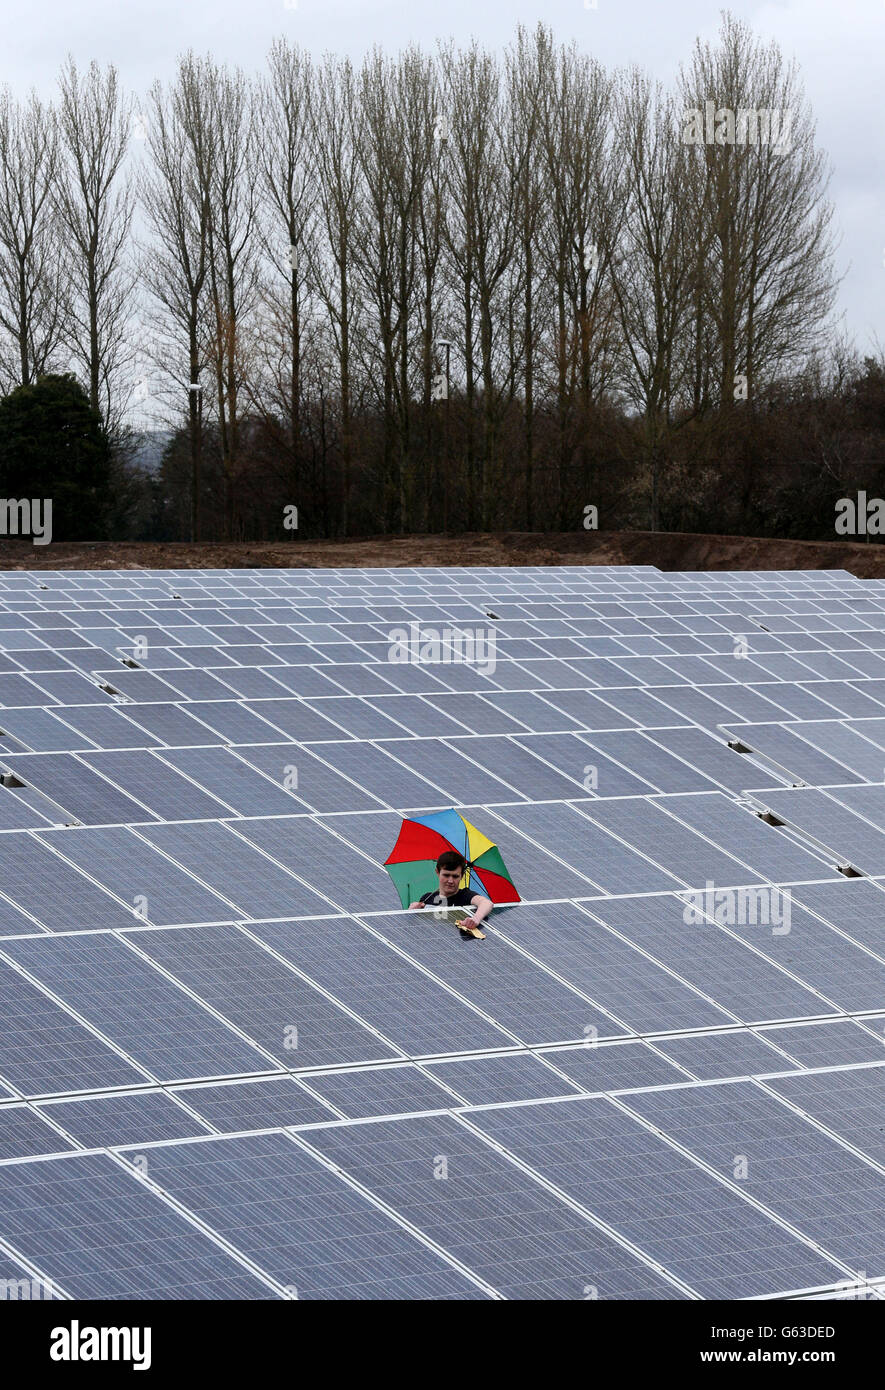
[149, 451]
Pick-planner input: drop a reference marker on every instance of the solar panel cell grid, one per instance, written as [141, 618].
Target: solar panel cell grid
[254, 769]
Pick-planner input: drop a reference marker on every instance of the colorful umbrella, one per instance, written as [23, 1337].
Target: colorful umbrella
[412, 861]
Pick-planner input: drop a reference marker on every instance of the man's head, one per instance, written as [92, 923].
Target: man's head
[450, 867]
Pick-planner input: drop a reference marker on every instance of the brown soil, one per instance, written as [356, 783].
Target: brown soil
[666, 550]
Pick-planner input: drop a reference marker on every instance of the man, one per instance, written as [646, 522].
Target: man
[450, 868]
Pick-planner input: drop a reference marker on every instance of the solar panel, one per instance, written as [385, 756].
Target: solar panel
[754, 843]
[301, 1223]
[709, 1056]
[319, 786]
[106, 1121]
[811, 811]
[485, 1211]
[382, 987]
[23, 1134]
[162, 1028]
[841, 1043]
[202, 966]
[534, 1007]
[381, 1091]
[161, 790]
[847, 1102]
[269, 1103]
[722, 1246]
[564, 831]
[625, 983]
[614, 1066]
[294, 1024]
[233, 781]
[158, 890]
[586, 766]
[226, 862]
[642, 822]
[716, 961]
[650, 761]
[350, 880]
[96, 1232]
[81, 793]
[838, 1205]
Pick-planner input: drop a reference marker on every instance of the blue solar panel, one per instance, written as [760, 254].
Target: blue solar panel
[160, 789]
[52, 891]
[272, 1005]
[633, 989]
[680, 936]
[242, 789]
[841, 1043]
[486, 1212]
[138, 1118]
[382, 987]
[250, 881]
[526, 1000]
[306, 848]
[848, 1102]
[608, 861]
[47, 1051]
[381, 1091]
[614, 1066]
[138, 1017]
[310, 1230]
[494, 1080]
[160, 1026]
[97, 1232]
[271, 1102]
[135, 871]
[23, 1133]
[713, 1055]
[718, 1243]
[839, 1202]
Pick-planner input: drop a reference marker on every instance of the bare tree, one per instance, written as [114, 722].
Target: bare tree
[284, 158]
[396, 153]
[32, 297]
[429, 224]
[175, 192]
[768, 277]
[95, 204]
[481, 233]
[233, 260]
[334, 134]
[653, 255]
[529, 72]
[580, 167]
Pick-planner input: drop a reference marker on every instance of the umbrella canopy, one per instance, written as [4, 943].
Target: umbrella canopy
[422, 839]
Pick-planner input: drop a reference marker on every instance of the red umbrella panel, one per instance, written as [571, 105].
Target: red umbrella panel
[422, 839]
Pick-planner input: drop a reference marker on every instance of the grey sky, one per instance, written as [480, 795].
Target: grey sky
[838, 46]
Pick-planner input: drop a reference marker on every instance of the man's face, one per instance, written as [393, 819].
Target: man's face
[448, 881]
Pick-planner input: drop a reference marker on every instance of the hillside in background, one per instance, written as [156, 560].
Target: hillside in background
[667, 550]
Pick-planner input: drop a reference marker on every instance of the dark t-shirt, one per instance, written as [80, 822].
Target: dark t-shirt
[463, 898]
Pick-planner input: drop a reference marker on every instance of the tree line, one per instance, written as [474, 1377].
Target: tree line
[447, 291]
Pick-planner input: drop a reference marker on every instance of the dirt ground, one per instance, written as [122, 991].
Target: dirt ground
[666, 550]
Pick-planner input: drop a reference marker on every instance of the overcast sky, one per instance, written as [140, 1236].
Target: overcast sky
[838, 44]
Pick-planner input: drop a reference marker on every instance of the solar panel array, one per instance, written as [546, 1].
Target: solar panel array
[232, 1068]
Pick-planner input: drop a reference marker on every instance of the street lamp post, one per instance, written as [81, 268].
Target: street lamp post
[442, 391]
[195, 413]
